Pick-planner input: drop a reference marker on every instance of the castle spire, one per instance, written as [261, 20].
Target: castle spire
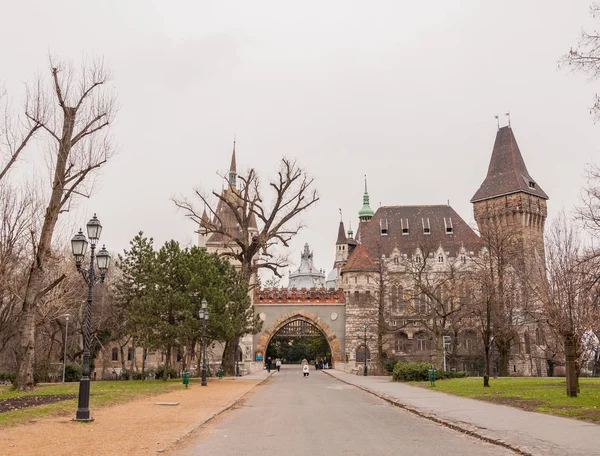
[232, 169]
[366, 213]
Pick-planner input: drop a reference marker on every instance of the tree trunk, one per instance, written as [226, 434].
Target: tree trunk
[570, 367]
[123, 359]
[228, 359]
[35, 282]
[503, 357]
[167, 363]
[132, 364]
[486, 377]
[144, 355]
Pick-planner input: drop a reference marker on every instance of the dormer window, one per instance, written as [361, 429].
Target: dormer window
[419, 259]
[404, 223]
[383, 226]
[440, 258]
[463, 259]
[448, 225]
[531, 184]
[426, 226]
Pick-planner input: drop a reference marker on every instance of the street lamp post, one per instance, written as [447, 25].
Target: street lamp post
[203, 314]
[237, 361]
[365, 372]
[67, 316]
[79, 245]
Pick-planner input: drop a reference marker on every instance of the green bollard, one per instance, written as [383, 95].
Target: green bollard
[186, 378]
[432, 376]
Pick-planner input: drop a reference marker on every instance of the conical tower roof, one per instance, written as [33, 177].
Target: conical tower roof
[341, 238]
[507, 172]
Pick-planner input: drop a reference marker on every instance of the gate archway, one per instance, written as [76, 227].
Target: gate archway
[332, 340]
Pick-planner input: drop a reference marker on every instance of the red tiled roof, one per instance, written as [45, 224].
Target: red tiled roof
[507, 172]
[360, 260]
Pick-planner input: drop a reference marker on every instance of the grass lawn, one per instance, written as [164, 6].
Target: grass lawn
[547, 395]
[103, 394]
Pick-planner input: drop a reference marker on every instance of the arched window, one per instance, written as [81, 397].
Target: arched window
[115, 354]
[361, 352]
[401, 343]
[527, 344]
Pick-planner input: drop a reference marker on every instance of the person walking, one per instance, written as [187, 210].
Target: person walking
[269, 362]
[278, 364]
[305, 372]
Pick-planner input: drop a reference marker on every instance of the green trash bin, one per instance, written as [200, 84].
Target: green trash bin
[186, 378]
[432, 376]
[220, 372]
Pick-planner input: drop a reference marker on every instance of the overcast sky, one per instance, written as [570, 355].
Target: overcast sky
[403, 91]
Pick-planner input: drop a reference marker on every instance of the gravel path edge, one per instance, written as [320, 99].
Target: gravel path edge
[210, 417]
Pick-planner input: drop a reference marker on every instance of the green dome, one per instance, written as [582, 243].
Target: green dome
[366, 210]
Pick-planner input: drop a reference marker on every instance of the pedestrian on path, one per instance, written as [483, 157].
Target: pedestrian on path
[278, 364]
[305, 372]
[269, 362]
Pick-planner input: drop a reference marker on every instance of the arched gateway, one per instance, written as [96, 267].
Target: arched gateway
[301, 315]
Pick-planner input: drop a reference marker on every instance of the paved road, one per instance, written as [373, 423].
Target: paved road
[293, 415]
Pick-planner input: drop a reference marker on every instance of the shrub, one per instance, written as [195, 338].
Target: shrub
[411, 372]
[419, 372]
[441, 375]
[389, 365]
[171, 373]
[72, 372]
[8, 377]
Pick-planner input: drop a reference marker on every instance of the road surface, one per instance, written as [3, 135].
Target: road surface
[318, 415]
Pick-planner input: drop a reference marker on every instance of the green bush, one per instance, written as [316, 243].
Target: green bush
[72, 372]
[8, 377]
[171, 373]
[419, 372]
[411, 372]
[389, 365]
[441, 375]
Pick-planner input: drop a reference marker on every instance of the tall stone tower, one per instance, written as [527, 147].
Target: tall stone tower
[509, 197]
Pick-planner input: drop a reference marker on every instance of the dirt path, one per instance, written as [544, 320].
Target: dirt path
[135, 428]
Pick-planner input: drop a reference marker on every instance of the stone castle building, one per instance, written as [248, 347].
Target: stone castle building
[396, 273]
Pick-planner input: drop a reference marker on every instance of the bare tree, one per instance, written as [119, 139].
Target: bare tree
[251, 225]
[585, 58]
[79, 143]
[438, 288]
[16, 133]
[495, 303]
[568, 296]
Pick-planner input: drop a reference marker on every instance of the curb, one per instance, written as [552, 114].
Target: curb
[210, 418]
[436, 419]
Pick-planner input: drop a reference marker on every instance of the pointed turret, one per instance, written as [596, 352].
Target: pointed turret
[204, 221]
[366, 213]
[341, 238]
[232, 169]
[507, 172]
[202, 230]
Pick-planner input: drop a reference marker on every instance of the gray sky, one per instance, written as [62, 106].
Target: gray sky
[403, 91]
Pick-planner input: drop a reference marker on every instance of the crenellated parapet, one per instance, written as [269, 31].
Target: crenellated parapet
[298, 296]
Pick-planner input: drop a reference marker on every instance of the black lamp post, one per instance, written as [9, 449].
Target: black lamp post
[79, 245]
[203, 314]
[365, 359]
[237, 361]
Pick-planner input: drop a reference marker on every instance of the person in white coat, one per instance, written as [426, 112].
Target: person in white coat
[305, 372]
